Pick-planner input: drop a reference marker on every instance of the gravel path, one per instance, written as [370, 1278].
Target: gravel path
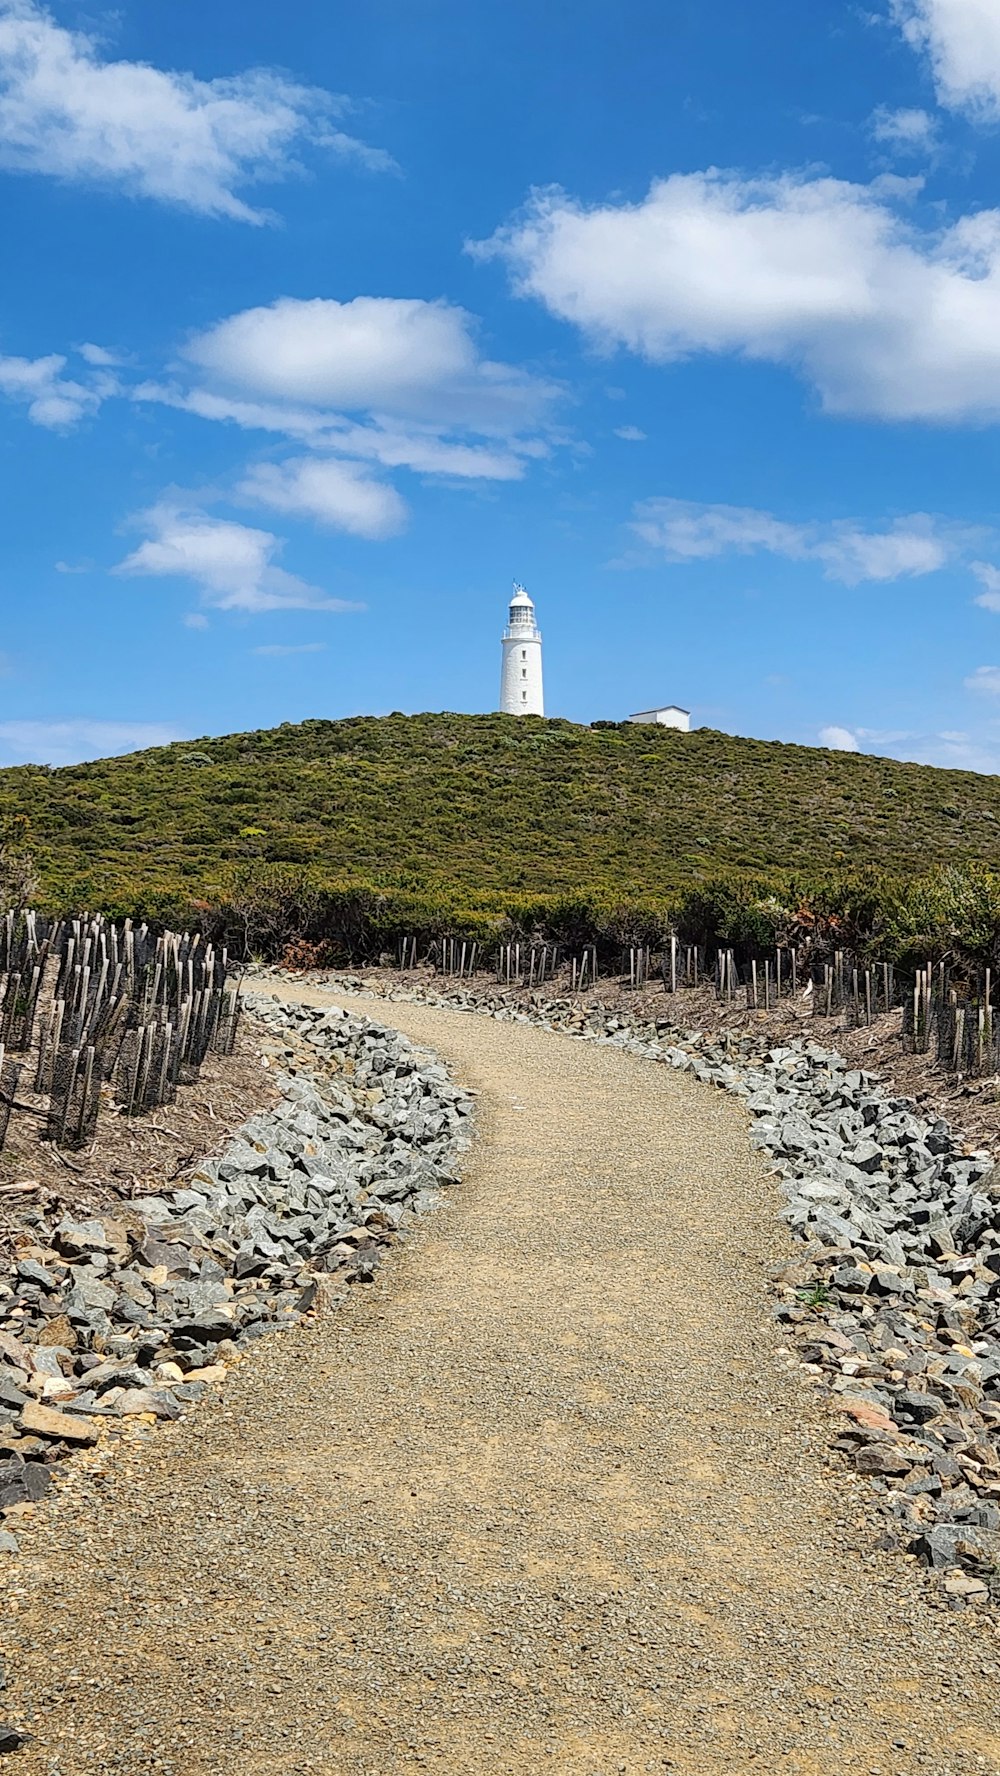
[543, 1498]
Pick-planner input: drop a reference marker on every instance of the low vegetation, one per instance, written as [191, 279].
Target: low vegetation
[344, 836]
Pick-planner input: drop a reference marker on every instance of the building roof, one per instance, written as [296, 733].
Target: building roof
[521, 596]
[664, 709]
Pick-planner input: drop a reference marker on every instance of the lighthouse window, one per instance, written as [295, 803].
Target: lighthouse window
[524, 653]
[524, 671]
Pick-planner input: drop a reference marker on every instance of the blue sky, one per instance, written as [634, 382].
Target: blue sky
[319, 324]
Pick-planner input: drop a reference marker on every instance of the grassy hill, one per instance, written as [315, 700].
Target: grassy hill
[488, 806]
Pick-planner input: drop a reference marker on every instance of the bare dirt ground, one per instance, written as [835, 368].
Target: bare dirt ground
[546, 1497]
[130, 1156]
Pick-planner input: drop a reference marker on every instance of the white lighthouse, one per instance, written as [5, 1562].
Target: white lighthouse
[521, 674]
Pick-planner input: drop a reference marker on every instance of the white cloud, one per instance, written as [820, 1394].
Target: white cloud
[989, 578]
[230, 563]
[839, 739]
[340, 494]
[985, 680]
[195, 620]
[426, 452]
[277, 651]
[909, 549]
[832, 279]
[962, 41]
[381, 354]
[382, 381]
[905, 131]
[956, 751]
[374, 351]
[263, 416]
[66, 111]
[101, 357]
[421, 448]
[377, 380]
[948, 749]
[632, 434]
[51, 399]
[69, 742]
[684, 530]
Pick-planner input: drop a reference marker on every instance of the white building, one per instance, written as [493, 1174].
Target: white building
[521, 673]
[669, 717]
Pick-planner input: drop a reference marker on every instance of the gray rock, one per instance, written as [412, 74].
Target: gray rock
[918, 1408]
[155, 1400]
[867, 1157]
[30, 1271]
[87, 1294]
[958, 1544]
[77, 1238]
[22, 1483]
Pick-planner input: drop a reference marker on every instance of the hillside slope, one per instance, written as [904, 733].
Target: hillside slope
[488, 804]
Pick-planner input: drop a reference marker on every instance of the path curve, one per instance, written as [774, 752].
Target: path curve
[544, 1498]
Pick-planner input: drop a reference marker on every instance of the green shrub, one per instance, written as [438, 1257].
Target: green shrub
[352, 834]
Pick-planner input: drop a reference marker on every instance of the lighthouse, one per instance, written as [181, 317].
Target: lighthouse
[521, 673]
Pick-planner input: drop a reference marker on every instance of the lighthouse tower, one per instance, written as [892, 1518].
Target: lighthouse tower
[521, 674]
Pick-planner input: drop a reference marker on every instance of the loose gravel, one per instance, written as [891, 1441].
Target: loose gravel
[109, 1318]
[548, 1495]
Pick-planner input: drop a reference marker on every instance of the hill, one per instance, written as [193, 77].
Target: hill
[488, 806]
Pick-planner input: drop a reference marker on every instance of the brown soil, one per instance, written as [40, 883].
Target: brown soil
[135, 1156]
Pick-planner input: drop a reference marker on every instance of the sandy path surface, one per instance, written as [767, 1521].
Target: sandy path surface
[544, 1498]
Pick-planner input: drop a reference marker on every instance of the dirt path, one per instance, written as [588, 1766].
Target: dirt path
[542, 1499]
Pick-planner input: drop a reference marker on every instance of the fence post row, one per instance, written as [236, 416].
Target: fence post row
[89, 1004]
[954, 1018]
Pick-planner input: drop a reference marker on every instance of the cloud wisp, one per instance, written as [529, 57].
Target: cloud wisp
[948, 748]
[836, 281]
[52, 400]
[989, 578]
[70, 742]
[276, 650]
[684, 530]
[68, 111]
[908, 132]
[339, 494]
[231, 564]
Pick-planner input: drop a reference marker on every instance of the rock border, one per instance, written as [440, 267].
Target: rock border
[893, 1301]
[108, 1319]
